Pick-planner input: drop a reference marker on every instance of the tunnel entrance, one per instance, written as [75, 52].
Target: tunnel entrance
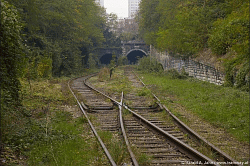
[134, 55]
[106, 58]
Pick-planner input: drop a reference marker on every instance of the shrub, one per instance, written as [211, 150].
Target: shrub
[103, 74]
[242, 77]
[174, 74]
[150, 64]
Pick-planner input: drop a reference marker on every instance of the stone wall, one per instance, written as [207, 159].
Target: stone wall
[193, 68]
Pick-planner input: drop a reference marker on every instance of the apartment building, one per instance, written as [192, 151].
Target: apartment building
[133, 7]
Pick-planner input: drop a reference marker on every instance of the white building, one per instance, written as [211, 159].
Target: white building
[100, 2]
[133, 7]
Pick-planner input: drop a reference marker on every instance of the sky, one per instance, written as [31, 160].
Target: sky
[119, 7]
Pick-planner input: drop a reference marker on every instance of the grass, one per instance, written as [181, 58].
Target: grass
[116, 84]
[144, 92]
[66, 145]
[58, 139]
[142, 158]
[222, 106]
[116, 147]
[52, 132]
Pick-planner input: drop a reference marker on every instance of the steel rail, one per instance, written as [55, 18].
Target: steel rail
[135, 163]
[94, 131]
[194, 154]
[182, 146]
[191, 132]
[120, 105]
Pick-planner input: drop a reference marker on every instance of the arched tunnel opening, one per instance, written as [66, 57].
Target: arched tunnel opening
[106, 58]
[134, 55]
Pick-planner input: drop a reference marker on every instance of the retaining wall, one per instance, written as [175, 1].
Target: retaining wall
[193, 68]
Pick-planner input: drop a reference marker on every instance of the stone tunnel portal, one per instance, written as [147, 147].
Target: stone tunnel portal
[134, 55]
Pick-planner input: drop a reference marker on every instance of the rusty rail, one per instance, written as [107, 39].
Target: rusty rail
[192, 133]
[197, 156]
[135, 163]
[94, 131]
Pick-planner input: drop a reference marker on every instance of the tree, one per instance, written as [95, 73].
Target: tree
[187, 27]
[91, 61]
[122, 60]
[148, 20]
[63, 31]
[113, 60]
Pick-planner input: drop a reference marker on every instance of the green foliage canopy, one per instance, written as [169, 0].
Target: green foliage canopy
[63, 31]
[187, 27]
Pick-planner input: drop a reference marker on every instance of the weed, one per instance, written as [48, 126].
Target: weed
[222, 106]
[126, 112]
[143, 92]
[174, 74]
[81, 120]
[142, 158]
[117, 84]
[49, 135]
[117, 149]
[104, 74]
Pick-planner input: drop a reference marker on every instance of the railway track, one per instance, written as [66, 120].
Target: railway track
[144, 129]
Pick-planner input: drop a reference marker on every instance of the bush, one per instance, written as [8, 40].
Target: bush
[122, 60]
[174, 74]
[150, 64]
[242, 77]
[231, 33]
[237, 74]
[104, 74]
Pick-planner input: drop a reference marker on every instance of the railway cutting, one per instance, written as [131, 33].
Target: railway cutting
[154, 137]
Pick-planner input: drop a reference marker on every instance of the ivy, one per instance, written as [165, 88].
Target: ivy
[242, 77]
[11, 52]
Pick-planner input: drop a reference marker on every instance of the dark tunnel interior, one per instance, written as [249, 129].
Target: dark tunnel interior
[133, 56]
[105, 59]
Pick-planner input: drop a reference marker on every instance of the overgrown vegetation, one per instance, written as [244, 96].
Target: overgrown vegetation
[143, 92]
[65, 144]
[11, 61]
[116, 147]
[237, 74]
[58, 36]
[50, 130]
[116, 84]
[122, 60]
[188, 27]
[225, 107]
[42, 40]
[149, 64]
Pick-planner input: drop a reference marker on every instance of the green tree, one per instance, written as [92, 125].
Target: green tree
[231, 33]
[64, 31]
[122, 60]
[149, 20]
[126, 36]
[113, 60]
[91, 61]
[188, 27]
